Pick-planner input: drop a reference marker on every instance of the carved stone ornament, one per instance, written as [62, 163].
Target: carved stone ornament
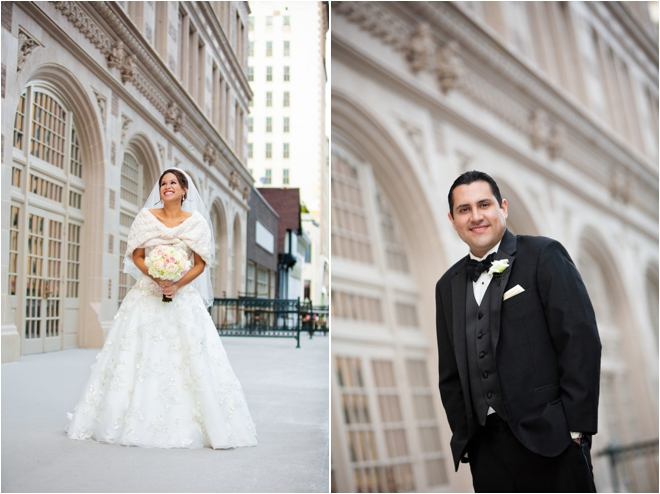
[416, 137]
[85, 24]
[234, 181]
[420, 48]
[370, 16]
[556, 141]
[538, 129]
[26, 45]
[448, 67]
[210, 155]
[161, 152]
[102, 101]
[464, 160]
[174, 116]
[116, 55]
[620, 185]
[128, 69]
[246, 193]
[125, 123]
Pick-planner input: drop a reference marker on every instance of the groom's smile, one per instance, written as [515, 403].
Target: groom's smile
[477, 217]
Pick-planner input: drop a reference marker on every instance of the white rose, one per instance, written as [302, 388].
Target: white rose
[498, 266]
[171, 268]
[159, 265]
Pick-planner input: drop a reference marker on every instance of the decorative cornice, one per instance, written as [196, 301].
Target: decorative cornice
[381, 23]
[84, 23]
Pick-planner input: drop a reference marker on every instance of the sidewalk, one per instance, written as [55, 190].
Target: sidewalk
[286, 389]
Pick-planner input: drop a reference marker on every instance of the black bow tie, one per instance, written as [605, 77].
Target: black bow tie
[475, 268]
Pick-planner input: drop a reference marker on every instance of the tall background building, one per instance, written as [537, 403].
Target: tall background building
[97, 99]
[287, 140]
[558, 101]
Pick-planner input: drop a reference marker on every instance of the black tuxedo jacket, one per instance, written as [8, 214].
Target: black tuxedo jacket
[547, 348]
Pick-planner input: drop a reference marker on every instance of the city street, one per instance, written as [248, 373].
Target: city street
[286, 389]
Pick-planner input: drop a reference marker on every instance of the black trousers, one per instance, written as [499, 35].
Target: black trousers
[500, 463]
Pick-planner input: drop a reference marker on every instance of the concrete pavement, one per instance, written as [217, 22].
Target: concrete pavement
[286, 390]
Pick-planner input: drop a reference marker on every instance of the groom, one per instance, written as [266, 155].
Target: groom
[519, 352]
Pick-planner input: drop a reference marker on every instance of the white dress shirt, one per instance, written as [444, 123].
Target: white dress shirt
[481, 285]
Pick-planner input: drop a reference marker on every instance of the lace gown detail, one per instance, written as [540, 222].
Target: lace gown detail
[163, 378]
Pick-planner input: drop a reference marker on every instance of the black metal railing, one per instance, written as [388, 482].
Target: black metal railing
[314, 318]
[257, 317]
[268, 317]
[619, 456]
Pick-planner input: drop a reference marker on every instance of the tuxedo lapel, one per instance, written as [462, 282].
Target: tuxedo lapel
[497, 287]
[458, 291]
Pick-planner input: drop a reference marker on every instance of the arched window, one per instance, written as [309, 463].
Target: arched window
[132, 195]
[617, 421]
[237, 258]
[46, 221]
[384, 408]
[219, 267]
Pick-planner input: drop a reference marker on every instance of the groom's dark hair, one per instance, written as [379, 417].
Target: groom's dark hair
[469, 177]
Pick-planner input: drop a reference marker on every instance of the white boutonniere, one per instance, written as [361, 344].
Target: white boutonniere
[497, 269]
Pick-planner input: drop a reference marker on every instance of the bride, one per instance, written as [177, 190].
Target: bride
[162, 378]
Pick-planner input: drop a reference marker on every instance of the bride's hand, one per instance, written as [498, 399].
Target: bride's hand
[162, 283]
[170, 290]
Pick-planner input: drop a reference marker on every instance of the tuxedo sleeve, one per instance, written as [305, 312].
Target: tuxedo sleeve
[572, 326]
[451, 391]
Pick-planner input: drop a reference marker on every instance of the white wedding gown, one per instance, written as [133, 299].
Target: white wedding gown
[163, 378]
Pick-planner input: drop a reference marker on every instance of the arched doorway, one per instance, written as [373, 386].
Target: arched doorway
[46, 221]
[237, 257]
[623, 391]
[139, 172]
[385, 258]
[220, 264]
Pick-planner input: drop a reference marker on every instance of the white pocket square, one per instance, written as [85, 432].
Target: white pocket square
[513, 292]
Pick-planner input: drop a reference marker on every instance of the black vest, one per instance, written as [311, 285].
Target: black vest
[484, 384]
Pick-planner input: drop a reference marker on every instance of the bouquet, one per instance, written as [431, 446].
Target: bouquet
[167, 263]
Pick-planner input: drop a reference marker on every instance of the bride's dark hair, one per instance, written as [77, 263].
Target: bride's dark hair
[183, 181]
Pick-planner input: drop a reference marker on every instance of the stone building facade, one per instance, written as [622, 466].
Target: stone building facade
[558, 101]
[97, 99]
